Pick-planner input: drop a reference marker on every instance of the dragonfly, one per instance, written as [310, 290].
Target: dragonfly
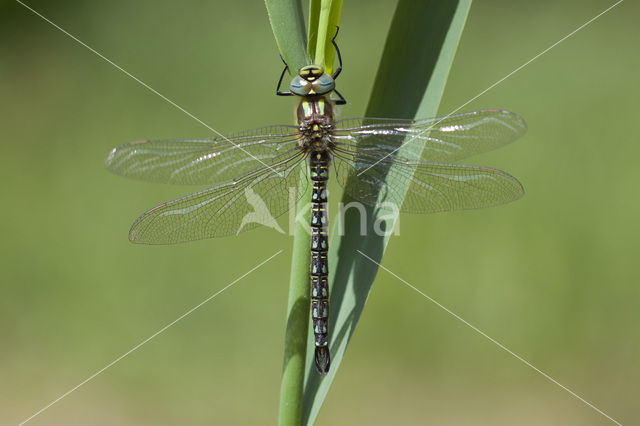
[364, 154]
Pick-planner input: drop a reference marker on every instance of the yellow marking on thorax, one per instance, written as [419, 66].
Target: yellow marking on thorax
[306, 105]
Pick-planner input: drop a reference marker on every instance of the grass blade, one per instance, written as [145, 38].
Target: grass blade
[295, 347]
[287, 25]
[324, 18]
[413, 71]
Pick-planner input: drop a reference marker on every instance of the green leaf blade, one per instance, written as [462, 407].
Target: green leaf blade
[410, 82]
[287, 24]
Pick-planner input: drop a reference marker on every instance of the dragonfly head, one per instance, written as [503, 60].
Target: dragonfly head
[312, 80]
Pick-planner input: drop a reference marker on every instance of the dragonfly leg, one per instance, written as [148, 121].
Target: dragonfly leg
[336, 73]
[278, 91]
[341, 100]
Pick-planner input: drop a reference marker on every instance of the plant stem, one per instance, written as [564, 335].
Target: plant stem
[325, 17]
[295, 341]
[287, 24]
[295, 352]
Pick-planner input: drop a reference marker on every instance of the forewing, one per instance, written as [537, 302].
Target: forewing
[255, 199]
[209, 161]
[434, 140]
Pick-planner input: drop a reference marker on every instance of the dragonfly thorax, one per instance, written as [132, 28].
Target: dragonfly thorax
[312, 80]
[315, 123]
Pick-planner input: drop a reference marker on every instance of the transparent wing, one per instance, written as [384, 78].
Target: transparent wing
[432, 187]
[445, 139]
[209, 161]
[255, 199]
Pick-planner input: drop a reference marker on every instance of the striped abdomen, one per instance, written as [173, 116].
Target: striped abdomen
[319, 173]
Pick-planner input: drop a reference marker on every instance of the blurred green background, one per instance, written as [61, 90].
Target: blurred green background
[553, 276]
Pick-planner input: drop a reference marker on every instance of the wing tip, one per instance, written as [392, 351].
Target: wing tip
[109, 160]
[517, 118]
[137, 234]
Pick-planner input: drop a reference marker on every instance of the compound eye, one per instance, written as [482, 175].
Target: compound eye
[324, 84]
[299, 86]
